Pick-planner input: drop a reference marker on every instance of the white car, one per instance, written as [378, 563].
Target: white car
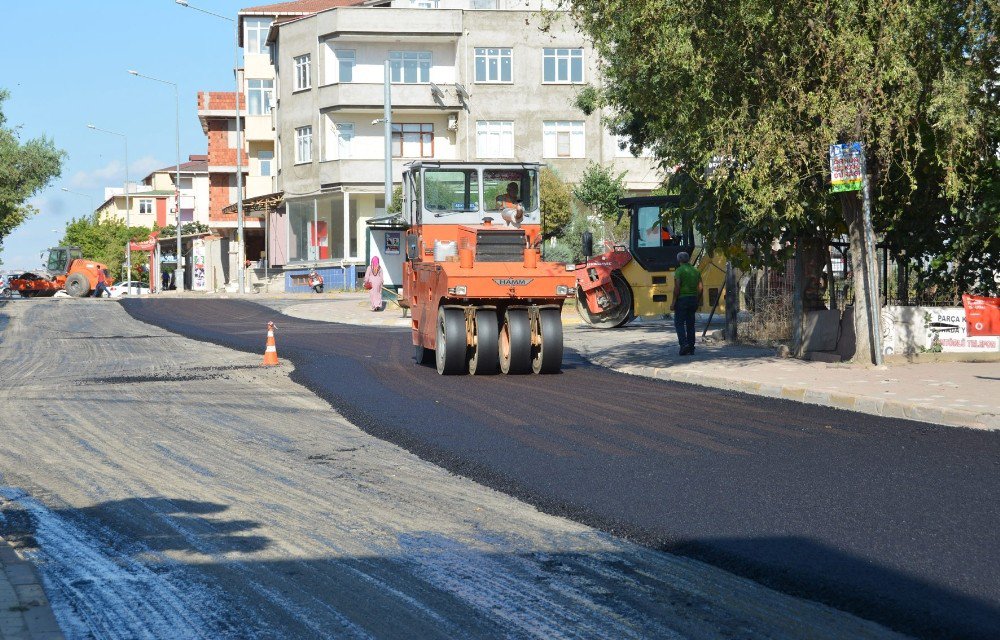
[122, 288]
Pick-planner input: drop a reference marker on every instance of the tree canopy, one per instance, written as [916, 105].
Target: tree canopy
[744, 98]
[25, 168]
[104, 241]
[555, 196]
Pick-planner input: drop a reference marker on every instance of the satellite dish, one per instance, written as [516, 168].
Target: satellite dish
[436, 90]
[461, 91]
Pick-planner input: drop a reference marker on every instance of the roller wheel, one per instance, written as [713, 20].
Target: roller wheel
[515, 342]
[423, 355]
[77, 285]
[547, 356]
[484, 353]
[451, 343]
[617, 316]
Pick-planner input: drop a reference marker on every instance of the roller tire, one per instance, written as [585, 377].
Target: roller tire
[547, 357]
[515, 343]
[77, 285]
[617, 317]
[484, 356]
[450, 353]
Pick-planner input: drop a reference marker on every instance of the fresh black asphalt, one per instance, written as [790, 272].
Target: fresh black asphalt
[895, 521]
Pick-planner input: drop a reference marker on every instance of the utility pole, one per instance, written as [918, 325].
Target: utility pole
[871, 268]
[387, 121]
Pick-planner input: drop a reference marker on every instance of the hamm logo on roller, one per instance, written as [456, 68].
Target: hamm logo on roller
[512, 282]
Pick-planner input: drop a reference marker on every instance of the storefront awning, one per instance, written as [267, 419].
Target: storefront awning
[258, 204]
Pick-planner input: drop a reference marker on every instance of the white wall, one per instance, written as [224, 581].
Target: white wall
[370, 60]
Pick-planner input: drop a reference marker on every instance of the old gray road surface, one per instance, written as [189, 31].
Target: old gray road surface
[173, 489]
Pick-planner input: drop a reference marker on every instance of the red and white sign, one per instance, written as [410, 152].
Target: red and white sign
[982, 315]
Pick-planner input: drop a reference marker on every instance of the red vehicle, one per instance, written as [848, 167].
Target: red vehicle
[65, 269]
[479, 294]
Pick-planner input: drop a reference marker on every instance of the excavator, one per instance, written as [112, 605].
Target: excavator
[636, 279]
[65, 269]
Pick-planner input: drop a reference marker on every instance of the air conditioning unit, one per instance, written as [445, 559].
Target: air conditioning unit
[452, 123]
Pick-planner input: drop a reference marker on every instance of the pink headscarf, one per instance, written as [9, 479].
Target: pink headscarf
[375, 263]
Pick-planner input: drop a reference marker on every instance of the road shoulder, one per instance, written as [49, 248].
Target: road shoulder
[25, 612]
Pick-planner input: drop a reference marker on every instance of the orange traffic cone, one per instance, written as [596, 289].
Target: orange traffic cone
[270, 352]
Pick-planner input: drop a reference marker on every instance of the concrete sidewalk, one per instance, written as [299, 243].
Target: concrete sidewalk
[964, 394]
[25, 613]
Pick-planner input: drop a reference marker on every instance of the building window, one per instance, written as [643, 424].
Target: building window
[302, 78]
[255, 36]
[410, 67]
[495, 139]
[303, 144]
[345, 137]
[261, 93]
[563, 139]
[424, 4]
[484, 4]
[266, 160]
[494, 65]
[562, 66]
[412, 140]
[345, 65]
[145, 205]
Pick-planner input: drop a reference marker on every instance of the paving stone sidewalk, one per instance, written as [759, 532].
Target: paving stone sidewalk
[25, 613]
[964, 394]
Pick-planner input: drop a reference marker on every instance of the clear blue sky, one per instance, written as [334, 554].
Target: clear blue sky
[65, 64]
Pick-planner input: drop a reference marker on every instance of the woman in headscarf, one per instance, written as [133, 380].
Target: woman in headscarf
[374, 278]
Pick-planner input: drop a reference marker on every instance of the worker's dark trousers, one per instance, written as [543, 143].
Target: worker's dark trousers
[684, 312]
[102, 288]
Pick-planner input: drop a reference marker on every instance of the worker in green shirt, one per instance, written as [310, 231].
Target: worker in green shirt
[687, 295]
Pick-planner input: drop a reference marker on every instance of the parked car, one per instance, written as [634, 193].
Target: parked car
[122, 288]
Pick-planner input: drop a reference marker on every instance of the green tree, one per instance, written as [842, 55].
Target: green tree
[555, 196]
[396, 206]
[757, 91]
[601, 188]
[25, 168]
[105, 241]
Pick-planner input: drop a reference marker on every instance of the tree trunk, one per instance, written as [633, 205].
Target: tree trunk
[798, 289]
[850, 202]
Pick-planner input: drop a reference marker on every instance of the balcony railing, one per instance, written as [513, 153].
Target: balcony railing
[370, 95]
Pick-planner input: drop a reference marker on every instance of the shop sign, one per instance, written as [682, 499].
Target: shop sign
[846, 164]
[982, 315]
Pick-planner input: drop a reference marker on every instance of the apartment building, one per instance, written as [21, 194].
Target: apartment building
[217, 113]
[470, 80]
[152, 200]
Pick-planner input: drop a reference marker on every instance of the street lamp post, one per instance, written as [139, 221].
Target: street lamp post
[128, 205]
[83, 195]
[241, 250]
[179, 277]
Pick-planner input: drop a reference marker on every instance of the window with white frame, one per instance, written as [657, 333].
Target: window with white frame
[413, 140]
[145, 205]
[410, 67]
[345, 138]
[563, 139]
[346, 59]
[622, 149]
[424, 4]
[303, 144]
[562, 66]
[495, 139]
[259, 96]
[483, 4]
[302, 77]
[266, 160]
[255, 35]
[494, 64]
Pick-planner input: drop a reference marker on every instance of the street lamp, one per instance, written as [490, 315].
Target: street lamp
[239, 141]
[177, 176]
[84, 195]
[128, 205]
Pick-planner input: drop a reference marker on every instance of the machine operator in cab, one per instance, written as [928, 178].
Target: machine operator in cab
[510, 206]
[687, 295]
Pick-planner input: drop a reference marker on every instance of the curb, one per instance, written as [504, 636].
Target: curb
[25, 612]
[850, 402]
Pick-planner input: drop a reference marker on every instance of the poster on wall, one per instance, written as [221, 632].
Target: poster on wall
[198, 280]
[932, 329]
[392, 243]
[982, 315]
[319, 241]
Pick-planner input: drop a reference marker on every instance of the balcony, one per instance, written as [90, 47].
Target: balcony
[259, 128]
[352, 96]
[359, 171]
[443, 24]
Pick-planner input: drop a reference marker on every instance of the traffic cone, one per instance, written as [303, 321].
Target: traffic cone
[270, 352]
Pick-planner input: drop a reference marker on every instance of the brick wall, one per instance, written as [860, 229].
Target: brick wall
[219, 101]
